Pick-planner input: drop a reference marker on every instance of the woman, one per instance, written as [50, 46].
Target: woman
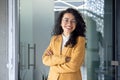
[66, 51]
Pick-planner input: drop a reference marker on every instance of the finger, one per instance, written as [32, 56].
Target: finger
[47, 53]
[50, 52]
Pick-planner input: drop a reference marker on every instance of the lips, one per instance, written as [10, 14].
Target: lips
[69, 28]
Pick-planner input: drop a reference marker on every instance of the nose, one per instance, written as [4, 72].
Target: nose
[69, 23]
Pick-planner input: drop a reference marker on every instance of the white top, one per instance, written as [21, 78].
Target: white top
[65, 39]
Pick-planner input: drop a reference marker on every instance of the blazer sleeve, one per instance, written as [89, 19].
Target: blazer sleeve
[53, 59]
[77, 59]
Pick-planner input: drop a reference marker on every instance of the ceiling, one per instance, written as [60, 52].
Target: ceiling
[63, 4]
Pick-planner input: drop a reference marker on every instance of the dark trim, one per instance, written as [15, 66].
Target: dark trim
[115, 39]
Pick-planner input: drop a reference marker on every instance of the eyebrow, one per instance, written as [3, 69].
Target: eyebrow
[68, 18]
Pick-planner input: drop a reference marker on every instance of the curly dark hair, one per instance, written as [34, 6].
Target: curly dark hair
[79, 30]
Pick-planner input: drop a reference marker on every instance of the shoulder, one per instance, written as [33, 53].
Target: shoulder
[81, 41]
[55, 37]
[80, 38]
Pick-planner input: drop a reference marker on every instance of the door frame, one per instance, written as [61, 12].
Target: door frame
[13, 39]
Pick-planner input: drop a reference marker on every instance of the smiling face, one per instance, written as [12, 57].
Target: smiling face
[68, 24]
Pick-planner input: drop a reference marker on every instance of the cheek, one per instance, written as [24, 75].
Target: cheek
[62, 25]
[74, 27]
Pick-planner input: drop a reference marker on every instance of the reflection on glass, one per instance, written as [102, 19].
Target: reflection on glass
[97, 9]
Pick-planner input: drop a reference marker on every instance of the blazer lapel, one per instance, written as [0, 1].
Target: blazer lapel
[58, 43]
[58, 46]
[64, 50]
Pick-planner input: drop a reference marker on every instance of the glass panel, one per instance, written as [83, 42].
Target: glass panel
[36, 22]
[98, 18]
[26, 38]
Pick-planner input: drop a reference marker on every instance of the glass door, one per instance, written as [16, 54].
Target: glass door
[99, 49]
[27, 46]
[98, 15]
[36, 22]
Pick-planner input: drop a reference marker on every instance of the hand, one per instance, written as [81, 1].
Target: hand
[67, 59]
[49, 52]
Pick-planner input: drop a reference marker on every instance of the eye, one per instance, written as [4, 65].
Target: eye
[73, 21]
[65, 20]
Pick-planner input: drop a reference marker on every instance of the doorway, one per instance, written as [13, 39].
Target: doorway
[36, 22]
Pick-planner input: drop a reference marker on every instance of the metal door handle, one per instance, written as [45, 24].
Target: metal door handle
[115, 63]
[29, 48]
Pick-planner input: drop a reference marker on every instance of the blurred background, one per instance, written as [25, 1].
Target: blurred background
[30, 25]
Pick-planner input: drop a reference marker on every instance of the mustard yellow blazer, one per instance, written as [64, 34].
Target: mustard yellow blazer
[59, 68]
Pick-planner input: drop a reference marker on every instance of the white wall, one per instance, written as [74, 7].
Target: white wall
[3, 40]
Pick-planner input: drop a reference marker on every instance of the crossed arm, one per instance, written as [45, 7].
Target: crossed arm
[51, 59]
[63, 64]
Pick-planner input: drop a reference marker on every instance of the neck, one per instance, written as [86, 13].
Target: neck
[66, 34]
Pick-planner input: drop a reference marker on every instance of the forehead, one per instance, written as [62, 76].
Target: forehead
[69, 16]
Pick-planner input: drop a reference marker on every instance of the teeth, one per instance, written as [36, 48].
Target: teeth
[68, 27]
